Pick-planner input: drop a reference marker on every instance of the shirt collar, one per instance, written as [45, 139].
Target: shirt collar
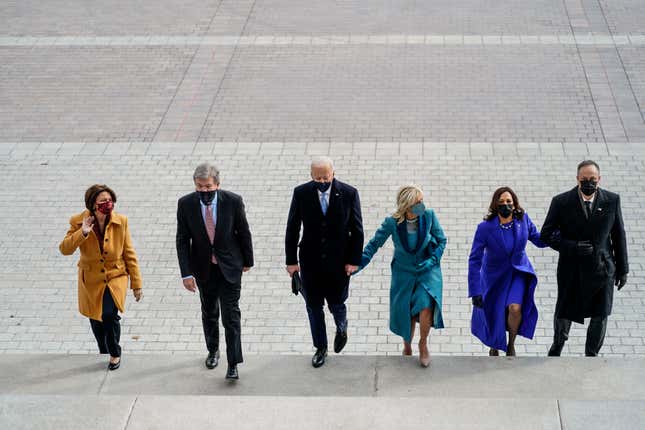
[583, 198]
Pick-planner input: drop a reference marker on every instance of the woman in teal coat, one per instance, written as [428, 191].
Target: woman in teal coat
[417, 284]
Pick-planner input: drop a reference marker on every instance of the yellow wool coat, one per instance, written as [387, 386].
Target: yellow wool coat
[97, 272]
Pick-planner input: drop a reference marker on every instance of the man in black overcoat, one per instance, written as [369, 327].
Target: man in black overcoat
[331, 246]
[585, 225]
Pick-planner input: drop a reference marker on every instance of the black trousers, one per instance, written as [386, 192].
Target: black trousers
[108, 331]
[215, 294]
[318, 289]
[595, 334]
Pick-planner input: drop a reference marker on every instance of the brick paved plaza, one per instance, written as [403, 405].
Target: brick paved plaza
[457, 96]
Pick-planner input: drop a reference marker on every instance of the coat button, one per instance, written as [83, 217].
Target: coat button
[102, 261]
[106, 240]
[102, 270]
[324, 256]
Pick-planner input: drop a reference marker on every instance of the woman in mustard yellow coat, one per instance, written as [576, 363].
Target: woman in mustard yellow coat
[107, 260]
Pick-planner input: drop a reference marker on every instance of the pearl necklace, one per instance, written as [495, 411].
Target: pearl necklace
[507, 226]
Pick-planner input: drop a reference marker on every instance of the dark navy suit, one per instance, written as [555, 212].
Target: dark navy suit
[221, 283]
[329, 242]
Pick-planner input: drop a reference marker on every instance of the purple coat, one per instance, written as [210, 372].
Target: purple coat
[490, 271]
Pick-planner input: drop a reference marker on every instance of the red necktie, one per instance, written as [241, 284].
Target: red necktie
[210, 229]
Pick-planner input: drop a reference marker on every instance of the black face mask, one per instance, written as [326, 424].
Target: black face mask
[322, 186]
[505, 210]
[206, 197]
[588, 187]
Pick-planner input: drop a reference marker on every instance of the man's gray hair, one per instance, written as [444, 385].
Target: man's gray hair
[322, 161]
[205, 171]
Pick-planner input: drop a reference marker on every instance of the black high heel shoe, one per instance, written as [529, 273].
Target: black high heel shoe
[114, 366]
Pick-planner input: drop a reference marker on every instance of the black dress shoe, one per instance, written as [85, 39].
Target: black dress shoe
[556, 349]
[319, 357]
[231, 373]
[114, 366]
[340, 341]
[212, 360]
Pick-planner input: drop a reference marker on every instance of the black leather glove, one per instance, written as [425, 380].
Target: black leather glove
[478, 302]
[296, 283]
[621, 281]
[584, 248]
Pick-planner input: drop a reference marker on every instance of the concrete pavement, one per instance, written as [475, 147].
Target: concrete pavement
[285, 392]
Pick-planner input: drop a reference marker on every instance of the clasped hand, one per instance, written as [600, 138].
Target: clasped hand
[584, 248]
[478, 301]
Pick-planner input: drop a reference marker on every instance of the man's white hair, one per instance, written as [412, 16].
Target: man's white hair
[322, 161]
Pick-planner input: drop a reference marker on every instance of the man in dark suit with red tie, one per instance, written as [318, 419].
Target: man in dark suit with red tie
[329, 213]
[214, 247]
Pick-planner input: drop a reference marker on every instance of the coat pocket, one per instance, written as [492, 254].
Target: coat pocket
[81, 277]
[608, 265]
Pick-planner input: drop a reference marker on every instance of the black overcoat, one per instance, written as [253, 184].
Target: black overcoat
[586, 283]
[330, 241]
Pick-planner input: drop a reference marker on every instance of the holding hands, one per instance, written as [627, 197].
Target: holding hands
[350, 269]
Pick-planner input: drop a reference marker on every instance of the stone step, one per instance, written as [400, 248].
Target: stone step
[130, 412]
[341, 376]
[355, 392]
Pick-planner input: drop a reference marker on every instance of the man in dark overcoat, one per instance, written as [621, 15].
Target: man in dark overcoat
[331, 246]
[585, 225]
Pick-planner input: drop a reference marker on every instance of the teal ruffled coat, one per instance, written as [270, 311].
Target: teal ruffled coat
[411, 267]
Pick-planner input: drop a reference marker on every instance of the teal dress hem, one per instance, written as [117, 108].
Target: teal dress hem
[415, 270]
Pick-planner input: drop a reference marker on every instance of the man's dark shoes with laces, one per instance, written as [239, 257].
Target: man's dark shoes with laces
[556, 349]
[340, 341]
[212, 360]
[319, 357]
[231, 373]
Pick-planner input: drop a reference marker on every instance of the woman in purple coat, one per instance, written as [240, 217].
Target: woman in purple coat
[501, 279]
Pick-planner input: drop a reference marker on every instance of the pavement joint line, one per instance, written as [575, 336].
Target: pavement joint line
[132, 406]
[10, 150]
[231, 57]
[587, 39]
[105, 376]
[195, 92]
[622, 40]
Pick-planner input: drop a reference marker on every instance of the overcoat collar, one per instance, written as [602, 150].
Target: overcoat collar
[335, 196]
[517, 226]
[402, 231]
[115, 218]
[598, 202]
